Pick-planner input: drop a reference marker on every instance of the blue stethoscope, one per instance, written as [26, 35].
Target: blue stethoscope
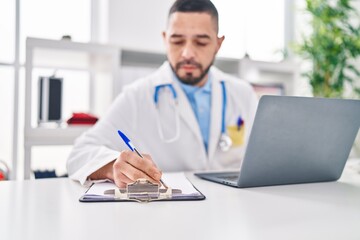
[225, 141]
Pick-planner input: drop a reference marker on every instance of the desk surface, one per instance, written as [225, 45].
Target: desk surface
[49, 209]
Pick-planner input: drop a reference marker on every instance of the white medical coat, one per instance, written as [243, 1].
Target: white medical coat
[134, 113]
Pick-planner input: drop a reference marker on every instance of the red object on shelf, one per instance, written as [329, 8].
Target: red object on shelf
[2, 176]
[82, 118]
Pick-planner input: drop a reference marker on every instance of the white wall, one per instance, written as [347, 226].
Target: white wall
[138, 24]
[132, 22]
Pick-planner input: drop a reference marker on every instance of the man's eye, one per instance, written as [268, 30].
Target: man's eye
[201, 44]
[177, 42]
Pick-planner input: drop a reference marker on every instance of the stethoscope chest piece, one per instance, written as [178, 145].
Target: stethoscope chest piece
[225, 142]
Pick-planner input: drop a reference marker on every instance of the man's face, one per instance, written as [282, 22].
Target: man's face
[191, 42]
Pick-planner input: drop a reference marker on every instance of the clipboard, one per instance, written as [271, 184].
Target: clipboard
[143, 190]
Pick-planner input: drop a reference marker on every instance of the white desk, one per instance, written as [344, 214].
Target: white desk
[49, 209]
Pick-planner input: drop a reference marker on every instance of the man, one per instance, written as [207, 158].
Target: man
[181, 114]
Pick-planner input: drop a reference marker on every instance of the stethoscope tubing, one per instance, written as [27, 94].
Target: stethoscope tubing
[223, 112]
[177, 114]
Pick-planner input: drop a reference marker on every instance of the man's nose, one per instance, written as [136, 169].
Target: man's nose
[188, 51]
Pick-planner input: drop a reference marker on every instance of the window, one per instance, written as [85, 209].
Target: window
[53, 19]
[6, 106]
[252, 27]
[7, 31]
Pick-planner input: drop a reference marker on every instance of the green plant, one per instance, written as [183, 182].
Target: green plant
[332, 47]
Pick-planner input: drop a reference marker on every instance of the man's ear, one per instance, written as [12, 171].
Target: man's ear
[220, 40]
[164, 36]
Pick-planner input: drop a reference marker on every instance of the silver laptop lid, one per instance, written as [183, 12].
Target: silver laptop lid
[299, 140]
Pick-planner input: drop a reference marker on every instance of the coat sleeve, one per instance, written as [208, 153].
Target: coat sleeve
[101, 144]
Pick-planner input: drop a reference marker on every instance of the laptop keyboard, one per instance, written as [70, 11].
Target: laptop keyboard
[232, 178]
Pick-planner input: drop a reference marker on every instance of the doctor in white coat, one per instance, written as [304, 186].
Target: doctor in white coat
[187, 116]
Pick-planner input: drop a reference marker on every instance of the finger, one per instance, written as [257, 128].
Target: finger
[121, 180]
[147, 156]
[134, 174]
[122, 165]
[145, 165]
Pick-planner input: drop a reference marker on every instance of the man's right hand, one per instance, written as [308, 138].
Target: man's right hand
[128, 168]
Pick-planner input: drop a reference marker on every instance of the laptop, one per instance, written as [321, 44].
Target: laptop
[295, 140]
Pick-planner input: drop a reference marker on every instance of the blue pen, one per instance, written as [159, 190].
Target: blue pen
[239, 123]
[132, 148]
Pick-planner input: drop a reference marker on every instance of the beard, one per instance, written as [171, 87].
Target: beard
[189, 79]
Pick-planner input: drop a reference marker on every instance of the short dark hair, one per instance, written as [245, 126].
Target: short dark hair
[201, 6]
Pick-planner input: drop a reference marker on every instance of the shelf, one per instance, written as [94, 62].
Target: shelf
[62, 54]
[6, 64]
[286, 66]
[69, 45]
[54, 136]
[102, 62]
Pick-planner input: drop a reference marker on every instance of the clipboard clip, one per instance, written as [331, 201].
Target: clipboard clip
[142, 190]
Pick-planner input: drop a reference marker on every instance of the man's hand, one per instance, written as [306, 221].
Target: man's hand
[128, 168]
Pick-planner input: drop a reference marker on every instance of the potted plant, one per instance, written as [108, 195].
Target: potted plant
[332, 47]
